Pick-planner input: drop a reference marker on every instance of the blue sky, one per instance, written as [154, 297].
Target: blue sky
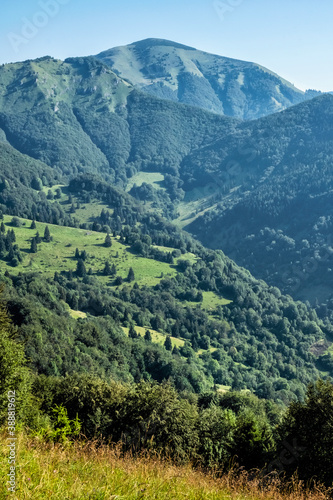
[291, 37]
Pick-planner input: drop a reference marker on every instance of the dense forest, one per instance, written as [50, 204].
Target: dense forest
[251, 337]
[210, 429]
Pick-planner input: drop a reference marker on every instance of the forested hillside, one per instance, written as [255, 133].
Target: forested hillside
[273, 212]
[264, 184]
[78, 116]
[215, 326]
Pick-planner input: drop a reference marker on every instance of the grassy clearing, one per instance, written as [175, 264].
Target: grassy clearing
[153, 178]
[210, 302]
[157, 337]
[89, 211]
[85, 472]
[58, 255]
[77, 314]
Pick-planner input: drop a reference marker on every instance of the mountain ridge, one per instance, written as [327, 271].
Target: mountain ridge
[220, 84]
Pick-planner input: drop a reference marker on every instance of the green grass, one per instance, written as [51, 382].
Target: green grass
[87, 211]
[58, 255]
[157, 337]
[153, 178]
[210, 302]
[87, 472]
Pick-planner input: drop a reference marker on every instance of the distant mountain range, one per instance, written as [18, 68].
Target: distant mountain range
[247, 187]
[179, 73]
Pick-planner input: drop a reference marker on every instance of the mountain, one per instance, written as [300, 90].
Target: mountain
[24, 185]
[273, 211]
[232, 184]
[78, 116]
[220, 84]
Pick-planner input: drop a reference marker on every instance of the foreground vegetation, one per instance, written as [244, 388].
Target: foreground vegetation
[212, 431]
[87, 471]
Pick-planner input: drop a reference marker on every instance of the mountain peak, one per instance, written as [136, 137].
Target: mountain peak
[177, 72]
[153, 42]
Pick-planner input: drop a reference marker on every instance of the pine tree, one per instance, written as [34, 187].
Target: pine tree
[168, 343]
[77, 254]
[80, 269]
[33, 225]
[130, 276]
[38, 238]
[10, 236]
[2, 228]
[11, 253]
[148, 336]
[33, 248]
[107, 269]
[75, 303]
[108, 242]
[132, 332]
[113, 270]
[47, 236]
[2, 247]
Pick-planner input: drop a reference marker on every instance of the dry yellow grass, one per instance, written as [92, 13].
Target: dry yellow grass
[86, 471]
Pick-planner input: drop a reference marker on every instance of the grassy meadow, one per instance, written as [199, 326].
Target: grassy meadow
[85, 471]
[58, 255]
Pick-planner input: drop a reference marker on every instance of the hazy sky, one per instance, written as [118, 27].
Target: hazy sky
[294, 38]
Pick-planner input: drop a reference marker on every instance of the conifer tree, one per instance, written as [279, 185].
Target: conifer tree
[132, 332]
[47, 235]
[2, 247]
[108, 242]
[81, 269]
[148, 336]
[33, 247]
[118, 281]
[168, 343]
[130, 276]
[107, 269]
[33, 225]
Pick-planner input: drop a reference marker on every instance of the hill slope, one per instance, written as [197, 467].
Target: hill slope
[205, 170]
[228, 328]
[273, 211]
[226, 86]
[79, 116]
